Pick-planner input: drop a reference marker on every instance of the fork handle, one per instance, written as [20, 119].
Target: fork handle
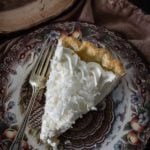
[16, 145]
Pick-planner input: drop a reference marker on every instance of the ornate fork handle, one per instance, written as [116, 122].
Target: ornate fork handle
[38, 78]
[16, 145]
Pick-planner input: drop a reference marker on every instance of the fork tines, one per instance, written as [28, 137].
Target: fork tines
[43, 63]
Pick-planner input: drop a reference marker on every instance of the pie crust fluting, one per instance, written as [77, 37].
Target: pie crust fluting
[90, 53]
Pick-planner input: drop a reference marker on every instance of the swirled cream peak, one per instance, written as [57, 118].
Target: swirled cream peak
[72, 90]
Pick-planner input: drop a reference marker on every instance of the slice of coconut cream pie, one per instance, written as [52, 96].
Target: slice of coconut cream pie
[81, 76]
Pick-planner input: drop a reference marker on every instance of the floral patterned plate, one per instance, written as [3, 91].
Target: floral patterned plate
[122, 120]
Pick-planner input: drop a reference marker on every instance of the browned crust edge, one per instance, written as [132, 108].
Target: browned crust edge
[88, 52]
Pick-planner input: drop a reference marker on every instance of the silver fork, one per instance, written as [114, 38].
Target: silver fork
[37, 80]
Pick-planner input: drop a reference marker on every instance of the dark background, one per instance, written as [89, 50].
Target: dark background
[143, 4]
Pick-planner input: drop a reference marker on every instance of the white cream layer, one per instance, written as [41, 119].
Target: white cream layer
[73, 88]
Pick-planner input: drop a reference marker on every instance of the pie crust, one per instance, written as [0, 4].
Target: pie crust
[88, 52]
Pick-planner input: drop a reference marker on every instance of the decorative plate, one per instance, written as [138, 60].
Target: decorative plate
[122, 120]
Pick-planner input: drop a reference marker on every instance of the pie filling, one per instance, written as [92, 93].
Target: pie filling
[74, 88]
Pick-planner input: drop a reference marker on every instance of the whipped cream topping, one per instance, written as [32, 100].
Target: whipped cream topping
[72, 90]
